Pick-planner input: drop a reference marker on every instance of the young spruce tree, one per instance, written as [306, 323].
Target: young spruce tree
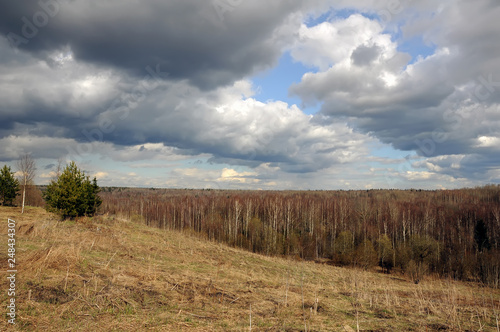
[72, 194]
[9, 186]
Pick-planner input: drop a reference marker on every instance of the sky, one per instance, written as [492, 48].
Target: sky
[239, 94]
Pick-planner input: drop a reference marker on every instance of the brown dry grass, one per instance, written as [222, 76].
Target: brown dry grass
[106, 274]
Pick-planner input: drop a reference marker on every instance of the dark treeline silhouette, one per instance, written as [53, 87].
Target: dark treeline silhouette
[453, 233]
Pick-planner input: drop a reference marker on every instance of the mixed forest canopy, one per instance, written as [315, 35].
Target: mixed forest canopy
[452, 233]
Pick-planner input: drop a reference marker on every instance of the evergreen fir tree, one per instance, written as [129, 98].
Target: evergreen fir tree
[72, 194]
[9, 186]
[481, 236]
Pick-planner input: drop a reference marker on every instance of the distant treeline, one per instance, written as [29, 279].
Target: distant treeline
[453, 233]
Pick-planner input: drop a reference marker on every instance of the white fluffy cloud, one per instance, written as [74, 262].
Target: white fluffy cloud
[329, 43]
[445, 103]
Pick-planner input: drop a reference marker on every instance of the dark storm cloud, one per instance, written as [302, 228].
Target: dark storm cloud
[207, 42]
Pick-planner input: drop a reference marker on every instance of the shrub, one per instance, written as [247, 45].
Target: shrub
[365, 255]
[385, 253]
[403, 256]
[424, 249]
[344, 248]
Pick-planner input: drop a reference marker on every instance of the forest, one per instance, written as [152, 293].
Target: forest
[449, 233]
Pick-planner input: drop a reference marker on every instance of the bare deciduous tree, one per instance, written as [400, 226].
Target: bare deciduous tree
[26, 166]
[59, 168]
[405, 230]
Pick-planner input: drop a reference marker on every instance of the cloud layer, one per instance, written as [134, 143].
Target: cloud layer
[442, 104]
[208, 43]
[169, 85]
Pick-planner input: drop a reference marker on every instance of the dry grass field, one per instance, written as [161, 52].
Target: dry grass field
[110, 274]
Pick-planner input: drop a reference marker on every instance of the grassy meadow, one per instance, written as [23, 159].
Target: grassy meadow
[110, 274]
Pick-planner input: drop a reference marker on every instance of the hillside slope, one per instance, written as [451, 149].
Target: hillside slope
[111, 274]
